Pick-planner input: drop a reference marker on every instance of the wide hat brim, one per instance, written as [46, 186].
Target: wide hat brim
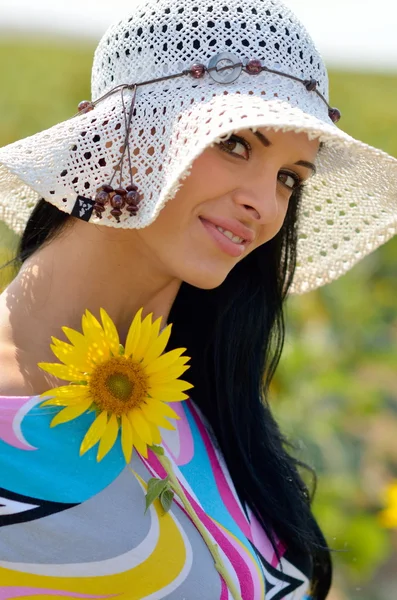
[349, 207]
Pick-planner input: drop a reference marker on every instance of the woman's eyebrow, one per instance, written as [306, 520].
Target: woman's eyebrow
[266, 142]
[308, 165]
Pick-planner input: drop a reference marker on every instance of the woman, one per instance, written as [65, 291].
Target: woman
[205, 181]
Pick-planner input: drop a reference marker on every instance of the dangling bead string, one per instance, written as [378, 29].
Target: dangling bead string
[128, 126]
[133, 196]
[119, 197]
[125, 143]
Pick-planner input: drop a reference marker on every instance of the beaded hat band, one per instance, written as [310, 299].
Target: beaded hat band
[228, 73]
[152, 114]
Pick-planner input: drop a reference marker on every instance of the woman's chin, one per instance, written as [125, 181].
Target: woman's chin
[206, 280]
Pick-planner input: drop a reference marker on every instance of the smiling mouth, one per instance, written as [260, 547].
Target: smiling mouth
[234, 238]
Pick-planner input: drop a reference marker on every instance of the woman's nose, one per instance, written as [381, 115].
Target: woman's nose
[260, 199]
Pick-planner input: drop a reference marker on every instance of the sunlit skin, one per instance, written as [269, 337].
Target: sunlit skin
[244, 185]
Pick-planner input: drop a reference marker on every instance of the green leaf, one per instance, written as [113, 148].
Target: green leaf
[154, 490]
[157, 450]
[121, 350]
[166, 499]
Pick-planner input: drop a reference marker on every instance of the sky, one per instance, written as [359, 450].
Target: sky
[348, 33]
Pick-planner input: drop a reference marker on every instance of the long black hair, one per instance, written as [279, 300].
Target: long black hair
[235, 334]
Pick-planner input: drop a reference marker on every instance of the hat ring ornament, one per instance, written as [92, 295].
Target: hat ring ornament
[218, 71]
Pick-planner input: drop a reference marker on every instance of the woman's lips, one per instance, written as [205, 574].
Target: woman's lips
[224, 243]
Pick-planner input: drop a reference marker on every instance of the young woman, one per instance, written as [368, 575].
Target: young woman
[204, 182]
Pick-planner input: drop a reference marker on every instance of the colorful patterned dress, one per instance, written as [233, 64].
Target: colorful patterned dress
[74, 528]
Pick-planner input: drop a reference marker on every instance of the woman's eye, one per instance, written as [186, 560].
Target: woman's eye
[290, 180]
[236, 145]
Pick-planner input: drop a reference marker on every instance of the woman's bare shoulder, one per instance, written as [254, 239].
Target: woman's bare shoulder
[13, 382]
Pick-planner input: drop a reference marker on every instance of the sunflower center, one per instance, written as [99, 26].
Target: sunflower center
[118, 385]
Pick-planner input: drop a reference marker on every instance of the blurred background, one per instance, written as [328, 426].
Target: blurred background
[335, 393]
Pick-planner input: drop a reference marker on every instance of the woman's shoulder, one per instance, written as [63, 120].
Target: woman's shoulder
[14, 381]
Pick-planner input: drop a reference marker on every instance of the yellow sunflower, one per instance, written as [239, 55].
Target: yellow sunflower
[129, 388]
[388, 516]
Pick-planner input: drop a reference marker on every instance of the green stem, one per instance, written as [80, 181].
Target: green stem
[213, 548]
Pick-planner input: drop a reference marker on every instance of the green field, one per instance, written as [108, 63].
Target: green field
[340, 361]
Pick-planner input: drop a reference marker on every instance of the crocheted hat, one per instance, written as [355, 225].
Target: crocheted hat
[193, 71]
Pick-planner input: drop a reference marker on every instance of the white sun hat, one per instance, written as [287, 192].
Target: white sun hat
[219, 66]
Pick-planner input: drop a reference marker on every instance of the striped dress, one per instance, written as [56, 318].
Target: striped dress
[74, 528]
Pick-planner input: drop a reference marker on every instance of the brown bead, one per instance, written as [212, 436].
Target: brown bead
[85, 106]
[99, 209]
[197, 71]
[334, 114]
[116, 213]
[107, 188]
[133, 210]
[117, 202]
[132, 188]
[133, 198]
[120, 191]
[310, 85]
[102, 198]
[253, 66]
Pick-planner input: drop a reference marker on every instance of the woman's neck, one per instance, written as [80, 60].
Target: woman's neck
[85, 267]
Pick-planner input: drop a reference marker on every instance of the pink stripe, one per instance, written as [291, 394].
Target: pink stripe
[240, 567]
[224, 591]
[221, 482]
[251, 561]
[282, 550]
[9, 408]
[261, 541]
[8, 592]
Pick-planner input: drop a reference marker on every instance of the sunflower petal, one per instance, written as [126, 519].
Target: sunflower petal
[155, 409]
[60, 343]
[150, 412]
[71, 356]
[140, 425]
[94, 433]
[98, 349]
[75, 337]
[162, 422]
[69, 392]
[67, 372]
[138, 442]
[111, 332]
[167, 411]
[157, 347]
[91, 325]
[178, 385]
[64, 401]
[158, 420]
[165, 361]
[133, 334]
[143, 338]
[170, 396]
[167, 375]
[156, 437]
[155, 331]
[108, 438]
[71, 412]
[127, 438]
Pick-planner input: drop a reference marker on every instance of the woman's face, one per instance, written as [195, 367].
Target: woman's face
[235, 199]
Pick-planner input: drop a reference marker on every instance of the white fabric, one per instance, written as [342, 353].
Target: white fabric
[349, 207]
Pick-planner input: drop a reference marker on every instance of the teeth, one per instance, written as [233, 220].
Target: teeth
[231, 236]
